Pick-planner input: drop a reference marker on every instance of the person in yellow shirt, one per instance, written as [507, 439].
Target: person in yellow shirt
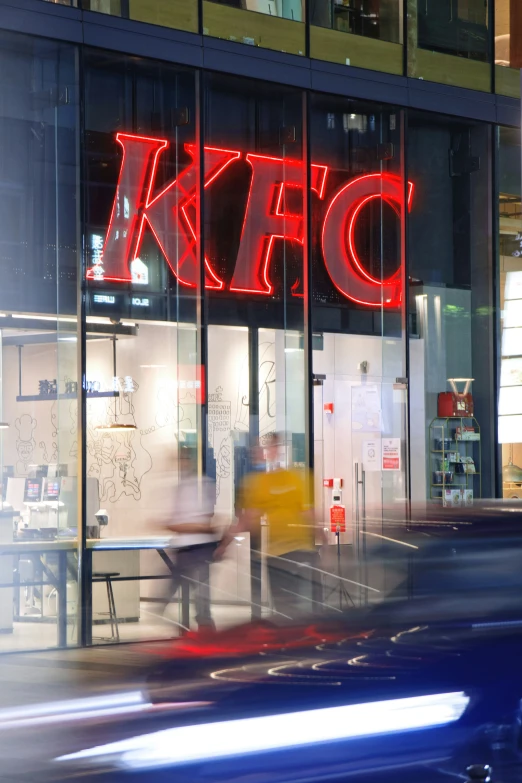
[282, 497]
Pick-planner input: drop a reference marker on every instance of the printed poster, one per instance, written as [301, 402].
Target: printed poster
[391, 453]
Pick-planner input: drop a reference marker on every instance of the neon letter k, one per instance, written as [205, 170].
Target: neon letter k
[165, 213]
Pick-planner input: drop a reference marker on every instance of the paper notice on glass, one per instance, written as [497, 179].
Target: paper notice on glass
[391, 453]
[366, 409]
[371, 455]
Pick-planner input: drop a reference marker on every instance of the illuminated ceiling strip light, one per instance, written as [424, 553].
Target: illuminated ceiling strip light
[208, 741]
[27, 317]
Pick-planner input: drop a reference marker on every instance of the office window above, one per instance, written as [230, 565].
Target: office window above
[456, 27]
[365, 33]
[272, 24]
[287, 9]
[380, 19]
[440, 31]
[178, 14]
[508, 47]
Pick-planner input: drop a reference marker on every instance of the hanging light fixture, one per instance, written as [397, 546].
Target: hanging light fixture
[511, 473]
[114, 426]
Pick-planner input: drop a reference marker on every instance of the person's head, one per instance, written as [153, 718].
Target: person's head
[272, 444]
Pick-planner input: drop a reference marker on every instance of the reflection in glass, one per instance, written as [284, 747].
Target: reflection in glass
[451, 298]
[510, 288]
[179, 14]
[286, 9]
[365, 33]
[145, 386]
[274, 24]
[39, 406]
[441, 30]
[508, 49]
[357, 340]
[380, 19]
[256, 359]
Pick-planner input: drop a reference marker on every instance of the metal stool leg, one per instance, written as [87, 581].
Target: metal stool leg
[115, 632]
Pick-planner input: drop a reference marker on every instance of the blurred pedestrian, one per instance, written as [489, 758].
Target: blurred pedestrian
[281, 496]
[189, 513]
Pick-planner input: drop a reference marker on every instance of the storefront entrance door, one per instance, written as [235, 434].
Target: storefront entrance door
[361, 459]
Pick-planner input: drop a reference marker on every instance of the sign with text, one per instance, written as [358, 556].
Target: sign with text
[338, 519]
[391, 453]
[166, 212]
[366, 408]
[371, 456]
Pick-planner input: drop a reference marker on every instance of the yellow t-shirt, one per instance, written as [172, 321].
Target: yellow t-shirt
[282, 497]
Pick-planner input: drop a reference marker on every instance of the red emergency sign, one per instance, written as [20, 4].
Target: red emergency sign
[338, 519]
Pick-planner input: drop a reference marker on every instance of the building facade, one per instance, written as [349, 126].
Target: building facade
[225, 219]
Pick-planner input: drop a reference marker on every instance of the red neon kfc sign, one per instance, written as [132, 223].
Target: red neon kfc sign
[168, 214]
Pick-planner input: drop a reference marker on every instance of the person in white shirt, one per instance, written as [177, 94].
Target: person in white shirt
[187, 511]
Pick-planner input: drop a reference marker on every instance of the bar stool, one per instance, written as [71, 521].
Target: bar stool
[107, 577]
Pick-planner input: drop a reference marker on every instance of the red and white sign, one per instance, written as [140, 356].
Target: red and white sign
[391, 453]
[338, 519]
[170, 215]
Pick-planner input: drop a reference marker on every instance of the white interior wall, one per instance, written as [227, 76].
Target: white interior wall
[41, 431]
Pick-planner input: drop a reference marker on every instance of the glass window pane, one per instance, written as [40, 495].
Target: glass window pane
[439, 32]
[451, 301]
[358, 346]
[38, 343]
[179, 14]
[367, 34]
[273, 24]
[508, 51]
[145, 384]
[256, 369]
[510, 288]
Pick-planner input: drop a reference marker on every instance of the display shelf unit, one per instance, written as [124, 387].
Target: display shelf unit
[453, 452]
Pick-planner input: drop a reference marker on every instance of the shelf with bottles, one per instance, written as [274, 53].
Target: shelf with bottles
[455, 459]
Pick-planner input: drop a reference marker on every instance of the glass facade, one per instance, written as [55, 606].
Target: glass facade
[464, 43]
[39, 397]
[219, 264]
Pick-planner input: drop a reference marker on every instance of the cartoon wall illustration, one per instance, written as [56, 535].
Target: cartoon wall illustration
[161, 406]
[118, 460]
[25, 442]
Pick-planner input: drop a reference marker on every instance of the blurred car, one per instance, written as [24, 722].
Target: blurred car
[420, 686]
